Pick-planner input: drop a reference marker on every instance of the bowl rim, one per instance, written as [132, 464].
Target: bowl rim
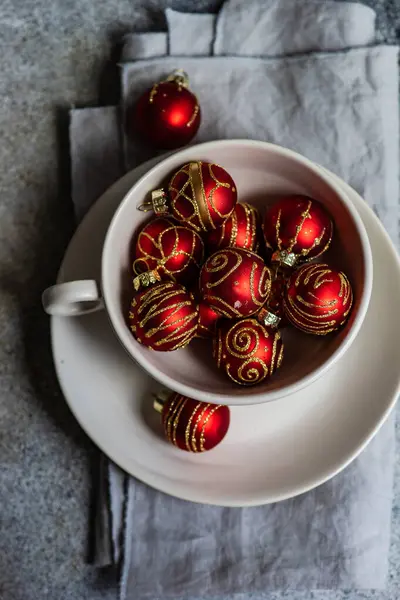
[254, 396]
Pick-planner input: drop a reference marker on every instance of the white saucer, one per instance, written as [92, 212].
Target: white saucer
[272, 451]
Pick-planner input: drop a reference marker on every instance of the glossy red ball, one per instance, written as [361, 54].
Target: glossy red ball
[241, 230]
[297, 228]
[247, 351]
[202, 195]
[175, 251]
[164, 317]
[318, 299]
[166, 116]
[235, 282]
[192, 425]
[208, 318]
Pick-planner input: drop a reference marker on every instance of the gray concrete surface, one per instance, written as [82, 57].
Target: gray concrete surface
[54, 54]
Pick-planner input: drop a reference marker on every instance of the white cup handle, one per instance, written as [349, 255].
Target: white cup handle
[73, 298]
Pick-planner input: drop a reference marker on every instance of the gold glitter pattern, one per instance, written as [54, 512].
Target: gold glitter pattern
[192, 119]
[249, 372]
[280, 357]
[211, 193]
[199, 195]
[234, 228]
[187, 430]
[240, 230]
[151, 250]
[217, 263]
[264, 286]
[318, 271]
[197, 422]
[289, 250]
[205, 422]
[222, 307]
[247, 351]
[204, 209]
[304, 215]
[164, 317]
[217, 346]
[153, 92]
[232, 284]
[318, 299]
[278, 230]
[176, 421]
[170, 416]
[277, 337]
[317, 241]
[252, 227]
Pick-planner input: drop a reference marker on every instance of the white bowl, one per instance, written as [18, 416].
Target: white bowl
[261, 172]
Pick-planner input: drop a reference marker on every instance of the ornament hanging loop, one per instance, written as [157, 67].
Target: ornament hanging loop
[145, 206]
[180, 77]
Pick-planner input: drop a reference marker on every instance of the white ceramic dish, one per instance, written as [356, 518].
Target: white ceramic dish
[261, 172]
[273, 451]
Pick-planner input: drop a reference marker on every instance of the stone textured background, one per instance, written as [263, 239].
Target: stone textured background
[54, 54]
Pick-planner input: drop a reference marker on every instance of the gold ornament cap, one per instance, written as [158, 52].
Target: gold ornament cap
[267, 318]
[145, 279]
[158, 202]
[283, 257]
[180, 77]
[160, 399]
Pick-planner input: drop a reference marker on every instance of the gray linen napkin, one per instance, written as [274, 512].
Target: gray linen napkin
[267, 29]
[276, 28]
[340, 109]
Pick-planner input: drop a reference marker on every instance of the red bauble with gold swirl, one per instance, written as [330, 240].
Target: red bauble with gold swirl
[318, 299]
[202, 195]
[167, 115]
[208, 318]
[241, 230]
[235, 282]
[247, 351]
[296, 229]
[164, 317]
[192, 425]
[175, 251]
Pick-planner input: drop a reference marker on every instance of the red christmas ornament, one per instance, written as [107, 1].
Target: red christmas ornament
[174, 251]
[192, 425]
[201, 195]
[318, 299]
[297, 228]
[247, 351]
[164, 317]
[167, 115]
[207, 321]
[272, 313]
[241, 230]
[235, 282]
